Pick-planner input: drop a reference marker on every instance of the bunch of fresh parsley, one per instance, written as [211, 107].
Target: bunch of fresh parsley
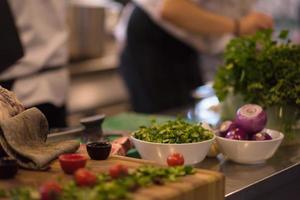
[264, 71]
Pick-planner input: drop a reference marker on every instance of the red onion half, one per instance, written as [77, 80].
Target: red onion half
[251, 118]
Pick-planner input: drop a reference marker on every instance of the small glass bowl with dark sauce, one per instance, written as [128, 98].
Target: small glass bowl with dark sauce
[98, 150]
[8, 167]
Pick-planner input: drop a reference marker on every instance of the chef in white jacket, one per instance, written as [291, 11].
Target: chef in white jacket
[159, 58]
[40, 78]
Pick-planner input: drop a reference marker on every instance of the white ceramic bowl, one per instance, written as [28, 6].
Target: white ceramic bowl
[248, 151]
[192, 152]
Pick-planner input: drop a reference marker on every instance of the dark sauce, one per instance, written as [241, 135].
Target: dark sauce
[8, 168]
[98, 150]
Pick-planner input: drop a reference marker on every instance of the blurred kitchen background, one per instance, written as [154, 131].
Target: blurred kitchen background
[96, 86]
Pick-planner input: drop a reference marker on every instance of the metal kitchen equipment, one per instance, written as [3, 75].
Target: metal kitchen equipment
[87, 29]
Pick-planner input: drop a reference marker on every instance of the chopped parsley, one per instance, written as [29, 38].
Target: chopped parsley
[177, 131]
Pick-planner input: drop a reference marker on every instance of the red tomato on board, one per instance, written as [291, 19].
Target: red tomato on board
[83, 177]
[175, 159]
[118, 170]
[50, 191]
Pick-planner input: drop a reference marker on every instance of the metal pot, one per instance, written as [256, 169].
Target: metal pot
[87, 30]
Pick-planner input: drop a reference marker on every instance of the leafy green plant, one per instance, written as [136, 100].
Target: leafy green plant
[262, 70]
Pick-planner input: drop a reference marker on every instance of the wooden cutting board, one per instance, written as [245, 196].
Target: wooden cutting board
[204, 185]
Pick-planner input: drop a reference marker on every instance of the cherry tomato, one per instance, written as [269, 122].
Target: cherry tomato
[118, 170]
[83, 177]
[175, 159]
[50, 191]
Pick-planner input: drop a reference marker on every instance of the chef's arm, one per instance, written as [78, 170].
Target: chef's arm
[189, 16]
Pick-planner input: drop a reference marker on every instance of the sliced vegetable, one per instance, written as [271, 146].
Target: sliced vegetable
[251, 118]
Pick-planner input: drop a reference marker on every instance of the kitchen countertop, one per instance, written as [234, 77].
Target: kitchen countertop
[261, 180]
[277, 178]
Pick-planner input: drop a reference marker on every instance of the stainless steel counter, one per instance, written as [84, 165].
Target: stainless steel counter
[278, 178]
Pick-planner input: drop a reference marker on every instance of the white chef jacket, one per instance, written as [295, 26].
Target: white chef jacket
[285, 14]
[230, 8]
[41, 24]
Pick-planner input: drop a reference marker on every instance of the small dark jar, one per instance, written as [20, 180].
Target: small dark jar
[98, 150]
[8, 168]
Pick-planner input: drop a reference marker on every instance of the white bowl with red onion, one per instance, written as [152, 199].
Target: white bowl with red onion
[245, 139]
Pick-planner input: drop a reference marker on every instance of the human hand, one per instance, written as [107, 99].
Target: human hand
[255, 21]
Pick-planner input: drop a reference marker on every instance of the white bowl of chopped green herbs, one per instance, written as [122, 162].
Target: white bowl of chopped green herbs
[157, 141]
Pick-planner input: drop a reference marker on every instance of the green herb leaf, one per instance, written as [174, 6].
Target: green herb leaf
[283, 34]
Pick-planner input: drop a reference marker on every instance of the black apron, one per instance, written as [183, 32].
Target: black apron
[10, 45]
[159, 70]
